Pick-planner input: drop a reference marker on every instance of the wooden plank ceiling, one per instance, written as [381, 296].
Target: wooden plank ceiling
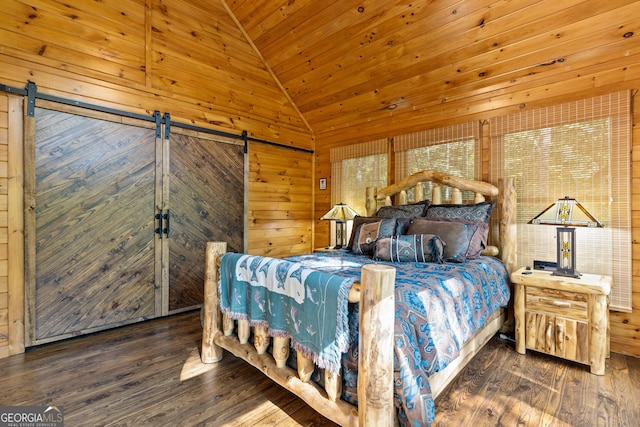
[359, 69]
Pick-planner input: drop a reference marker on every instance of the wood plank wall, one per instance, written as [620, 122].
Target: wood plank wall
[532, 56]
[11, 225]
[4, 282]
[187, 58]
[280, 201]
[625, 327]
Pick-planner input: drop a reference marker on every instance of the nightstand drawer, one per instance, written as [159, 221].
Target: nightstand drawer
[561, 303]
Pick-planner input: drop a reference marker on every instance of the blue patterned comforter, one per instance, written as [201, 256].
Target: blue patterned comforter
[438, 308]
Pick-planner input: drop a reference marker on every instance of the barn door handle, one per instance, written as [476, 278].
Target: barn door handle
[158, 229]
[166, 224]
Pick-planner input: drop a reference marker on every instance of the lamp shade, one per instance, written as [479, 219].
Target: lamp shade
[568, 212]
[341, 213]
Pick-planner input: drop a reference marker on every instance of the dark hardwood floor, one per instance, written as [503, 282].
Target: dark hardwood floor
[150, 374]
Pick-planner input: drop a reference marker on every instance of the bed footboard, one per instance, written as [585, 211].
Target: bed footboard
[375, 369]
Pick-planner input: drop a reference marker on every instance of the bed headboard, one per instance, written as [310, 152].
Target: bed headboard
[504, 195]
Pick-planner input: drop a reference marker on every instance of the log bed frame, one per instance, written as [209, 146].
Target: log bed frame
[375, 293]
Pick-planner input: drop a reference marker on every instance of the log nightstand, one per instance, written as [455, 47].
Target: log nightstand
[563, 316]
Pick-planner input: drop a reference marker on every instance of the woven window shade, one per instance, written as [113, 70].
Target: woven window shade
[356, 167]
[582, 150]
[453, 149]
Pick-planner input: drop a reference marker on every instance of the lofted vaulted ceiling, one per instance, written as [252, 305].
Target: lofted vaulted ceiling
[382, 67]
[328, 72]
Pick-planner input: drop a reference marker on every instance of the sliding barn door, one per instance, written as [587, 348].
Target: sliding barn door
[122, 214]
[205, 203]
[94, 219]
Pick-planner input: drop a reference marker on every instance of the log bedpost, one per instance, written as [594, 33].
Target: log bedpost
[212, 316]
[375, 364]
[371, 203]
[508, 237]
[508, 231]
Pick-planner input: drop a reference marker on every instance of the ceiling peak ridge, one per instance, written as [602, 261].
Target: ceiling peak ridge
[273, 76]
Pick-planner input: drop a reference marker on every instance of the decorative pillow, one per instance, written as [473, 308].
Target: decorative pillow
[478, 241]
[456, 236]
[403, 211]
[478, 212]
[368, 234]
[357, 223]
[402, 225]
[410, 248]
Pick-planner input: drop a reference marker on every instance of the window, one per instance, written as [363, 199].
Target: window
[452, 149]
[581, 150]
[356, 167]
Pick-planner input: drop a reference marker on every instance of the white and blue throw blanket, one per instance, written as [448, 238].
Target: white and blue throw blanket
[293, 301]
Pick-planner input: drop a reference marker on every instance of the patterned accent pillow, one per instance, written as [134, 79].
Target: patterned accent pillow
[410, 248]
[403, 211]
[478, 212]
[368, 234]
[357, 223]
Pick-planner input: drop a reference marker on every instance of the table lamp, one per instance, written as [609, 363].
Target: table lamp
[340, 213]
[568, 213]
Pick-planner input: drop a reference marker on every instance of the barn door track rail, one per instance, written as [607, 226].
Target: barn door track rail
[31, 92]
